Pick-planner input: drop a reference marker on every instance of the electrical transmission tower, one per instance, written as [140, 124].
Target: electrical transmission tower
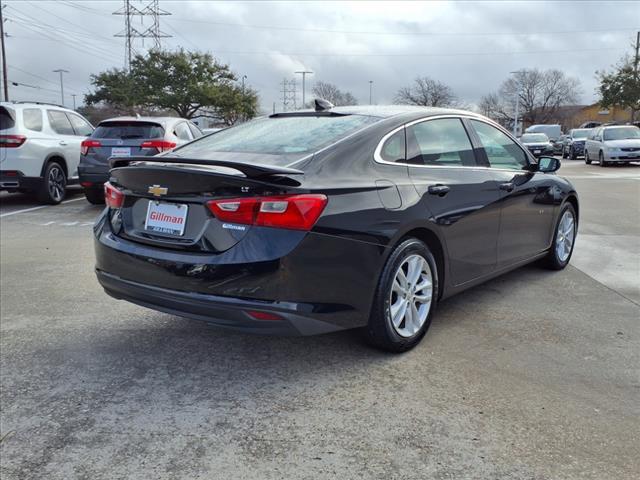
[130, 11]
[288, 95]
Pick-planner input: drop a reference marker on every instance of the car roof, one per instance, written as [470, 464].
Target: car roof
[407, 112]
[160, 120]
[16, 105]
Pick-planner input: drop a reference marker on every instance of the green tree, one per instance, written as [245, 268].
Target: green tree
[189, 83]
[621, 87]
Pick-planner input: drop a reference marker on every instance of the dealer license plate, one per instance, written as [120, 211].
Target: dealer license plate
[169, 218]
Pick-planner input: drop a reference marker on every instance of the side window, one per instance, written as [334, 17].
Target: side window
[32, 119]
[60, 123]
[394, 148]
[182, 131]
[502, 152]
[80, 125]
[439, 142]
[195, 131]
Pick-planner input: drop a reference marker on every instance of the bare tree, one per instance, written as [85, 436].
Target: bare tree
[427, 92]
[540, 93]
[330, 92]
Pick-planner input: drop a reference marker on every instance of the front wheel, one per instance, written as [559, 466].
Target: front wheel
[405, 298]
[587, 160]
[563, 240]
[572, 154]
[601, 159]
[54, 185]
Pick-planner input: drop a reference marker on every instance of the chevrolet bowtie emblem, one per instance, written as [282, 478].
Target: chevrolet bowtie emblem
[157, 190]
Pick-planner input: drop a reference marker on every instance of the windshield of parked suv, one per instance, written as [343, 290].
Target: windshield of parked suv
[125, 130]
[278, 136]
[534, 138]
[621, 133]
[580, 134]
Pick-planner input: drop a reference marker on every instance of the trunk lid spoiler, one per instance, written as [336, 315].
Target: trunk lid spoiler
[249, 170]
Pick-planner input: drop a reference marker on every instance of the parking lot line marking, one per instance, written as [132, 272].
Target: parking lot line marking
[25, 210]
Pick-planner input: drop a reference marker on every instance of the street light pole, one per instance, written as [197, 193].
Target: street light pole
[4, 57]
[304, 76]
[61, 71]
[243, 79]
[73, 95]
[370, 92]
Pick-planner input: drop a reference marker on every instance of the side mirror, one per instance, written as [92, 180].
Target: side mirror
[548, 164]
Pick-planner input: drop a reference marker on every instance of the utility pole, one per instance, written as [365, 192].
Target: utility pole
[151, 9]
[73, 95]
[370, 92]
[637, 59]
[5, 82]
[304, 76]
[243, 79]
[515, 122]
[61, 71]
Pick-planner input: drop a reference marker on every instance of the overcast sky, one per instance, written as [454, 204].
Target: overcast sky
[470, 46]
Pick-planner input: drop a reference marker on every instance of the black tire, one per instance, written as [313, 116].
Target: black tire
[572, 154]
[54, 184]
[380, 331]
[587, 160]
[601, 158]
[94, 196]
[552, 261]
[564, 153]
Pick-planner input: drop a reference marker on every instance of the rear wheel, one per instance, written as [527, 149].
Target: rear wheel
[54, 185]
[94, 196]
[563, 239]
[405, 298]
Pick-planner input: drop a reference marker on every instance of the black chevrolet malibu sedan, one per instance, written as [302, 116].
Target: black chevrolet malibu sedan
[315, 221]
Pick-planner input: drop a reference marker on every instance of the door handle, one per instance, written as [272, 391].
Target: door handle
[509, 186]
[440, 190]
[63, 143]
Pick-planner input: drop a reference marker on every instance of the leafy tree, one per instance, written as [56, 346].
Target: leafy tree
[540, 95]
[621, 87]
[188, 83]
[330, 92]
[427, 92]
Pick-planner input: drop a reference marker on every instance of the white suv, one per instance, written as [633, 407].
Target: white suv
[40, 148]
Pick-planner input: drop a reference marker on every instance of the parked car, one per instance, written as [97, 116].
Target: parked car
[590, 125]
[125, 137]
[574, 145]
[537, 143]
[551, 131]
[309, 222]
[40, 148]
[613, 144]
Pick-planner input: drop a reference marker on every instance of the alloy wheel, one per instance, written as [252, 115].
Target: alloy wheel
[410, 296]
[56, 183]
[565, 236]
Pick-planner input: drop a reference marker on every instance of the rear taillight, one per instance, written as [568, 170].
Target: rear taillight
[86, 145]
[113, 197]
[12, 141]
[295, 212]
[160, 145]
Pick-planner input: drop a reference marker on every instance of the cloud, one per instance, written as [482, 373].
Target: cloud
[468, 45]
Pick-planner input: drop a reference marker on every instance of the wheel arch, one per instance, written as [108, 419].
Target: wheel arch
[58, 158]
[572, 198]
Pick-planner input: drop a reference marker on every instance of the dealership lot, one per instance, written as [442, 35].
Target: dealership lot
[533, 375]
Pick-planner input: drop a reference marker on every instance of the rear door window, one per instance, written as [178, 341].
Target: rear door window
[80, 125]
[394, 148]
[124, 130]
[32, 119]
[442, 142]
[195, 131]
[60, 123]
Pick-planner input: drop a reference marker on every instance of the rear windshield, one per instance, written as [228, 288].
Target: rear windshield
[6, 120]
[125, 130]
[534, 137]
[621, 133]
[278, 136]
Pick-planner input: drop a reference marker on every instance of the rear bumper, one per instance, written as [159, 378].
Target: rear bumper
[221, 311]
[12, 180]
[96, 179]
[317, 283]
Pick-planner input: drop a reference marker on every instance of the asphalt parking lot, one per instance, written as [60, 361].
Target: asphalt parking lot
[535, 375]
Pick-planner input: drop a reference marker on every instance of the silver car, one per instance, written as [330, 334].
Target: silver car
[613, 144]
[126, 137]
